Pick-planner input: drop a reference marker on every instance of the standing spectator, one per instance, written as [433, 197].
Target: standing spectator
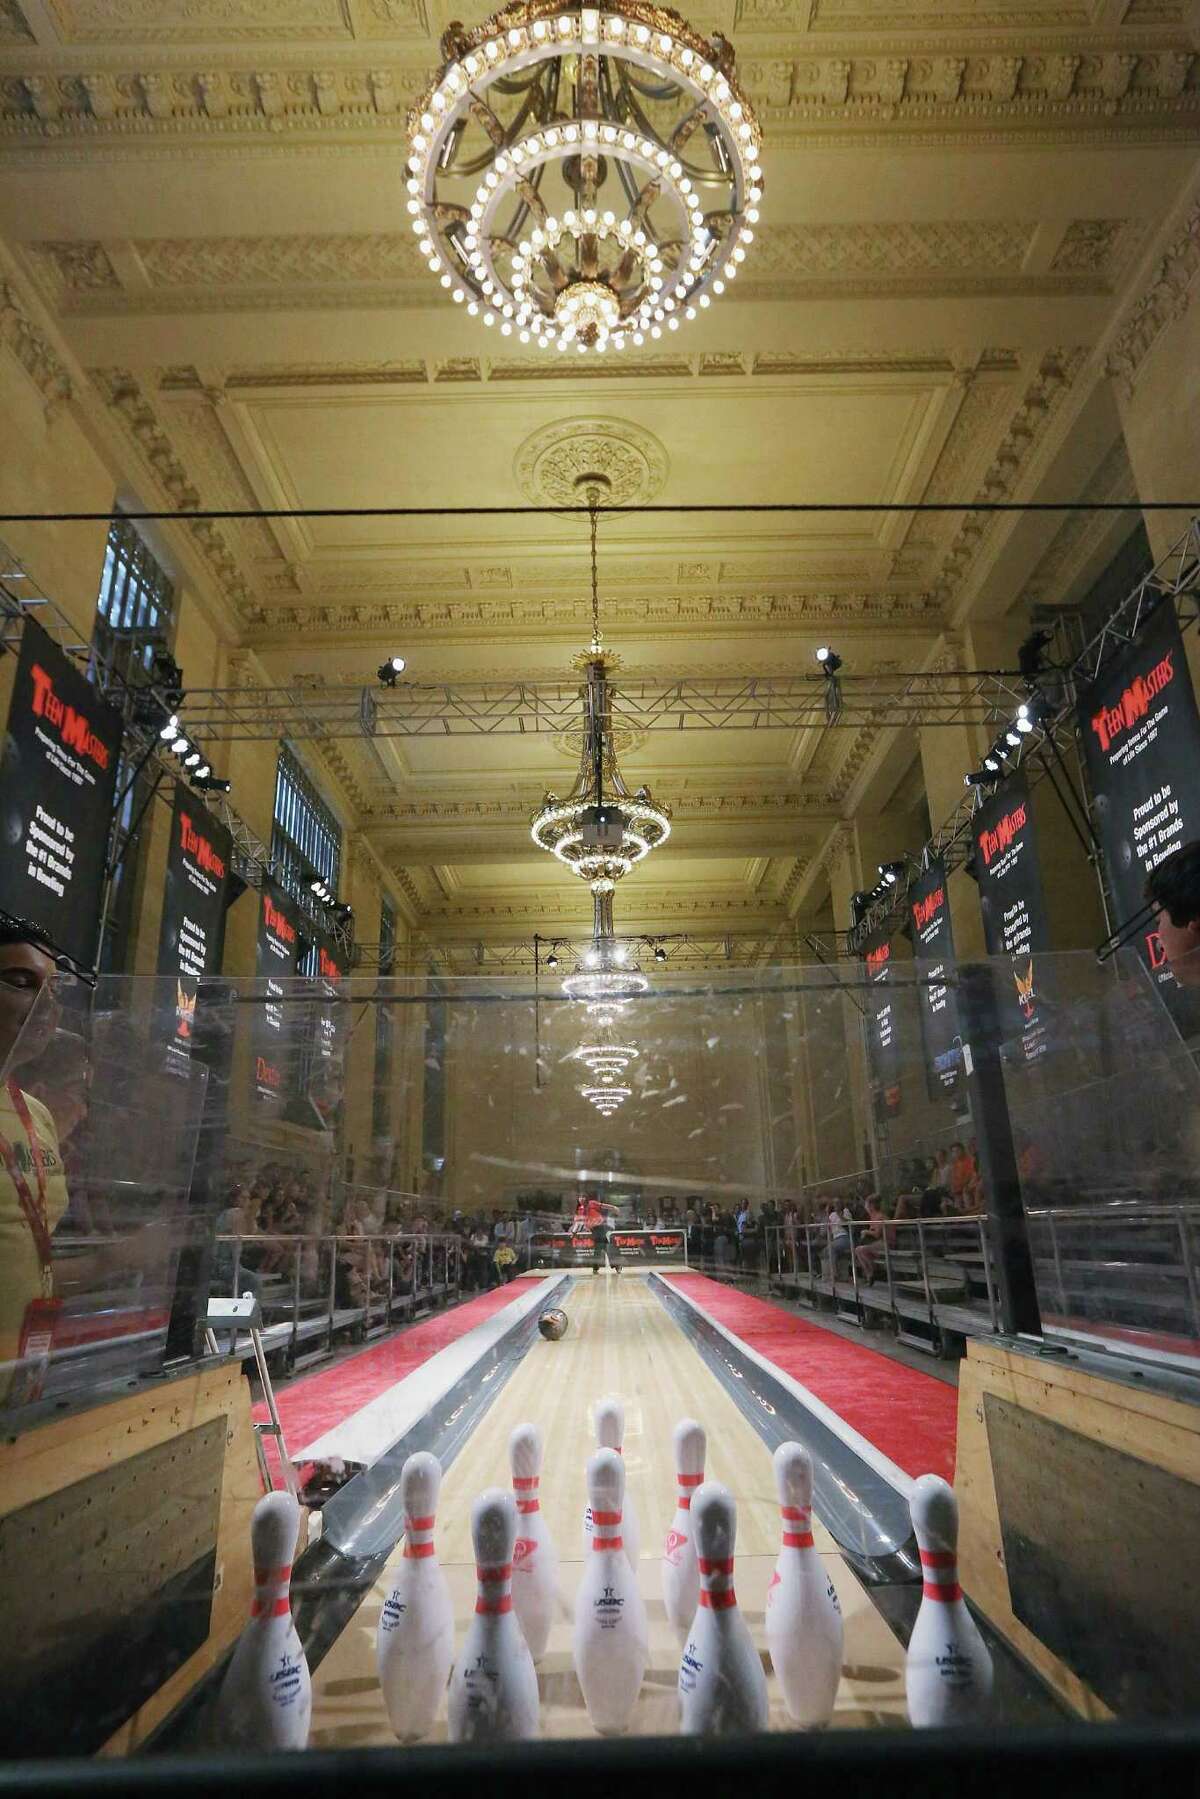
[477, 1261]
[521, 1241]
[741, 1220]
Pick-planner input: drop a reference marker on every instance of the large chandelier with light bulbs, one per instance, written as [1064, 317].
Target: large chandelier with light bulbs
[584, 177]
[600, 830]
[604, 983]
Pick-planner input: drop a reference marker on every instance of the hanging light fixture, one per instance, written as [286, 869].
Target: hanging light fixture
[600, 830]
[584, 176]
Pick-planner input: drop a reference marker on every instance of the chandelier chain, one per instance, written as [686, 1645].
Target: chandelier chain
[592, 521]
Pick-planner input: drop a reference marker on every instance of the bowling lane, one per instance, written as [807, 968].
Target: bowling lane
[621, 1341]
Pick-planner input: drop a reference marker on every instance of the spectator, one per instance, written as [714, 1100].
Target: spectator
[872, 1239]
[741, 1220]
[1174, 887]
[962, 1170]
[522, 1238]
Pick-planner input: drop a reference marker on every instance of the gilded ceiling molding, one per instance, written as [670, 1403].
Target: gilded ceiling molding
[1075, 540]
[1167, 298]
[319, 271]
[1144, 91]
[393, 813]
[1027, 429]
[273, 626]
[777, 364]
[34, 351]
[14, 27]
[549, 461]
[121, 393]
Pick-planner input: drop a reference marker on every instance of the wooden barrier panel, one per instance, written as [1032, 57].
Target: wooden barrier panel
[125, 1568]
[1081, 1528]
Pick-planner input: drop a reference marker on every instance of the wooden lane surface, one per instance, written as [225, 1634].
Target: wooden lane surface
[621, 1341]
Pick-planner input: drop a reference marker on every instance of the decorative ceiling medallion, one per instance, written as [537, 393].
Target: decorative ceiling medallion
[551, 462]
[584, 177]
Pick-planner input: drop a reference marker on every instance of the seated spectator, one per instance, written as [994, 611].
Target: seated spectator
[869, 1247]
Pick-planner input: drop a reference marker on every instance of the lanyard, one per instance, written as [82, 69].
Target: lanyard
[36, 1211]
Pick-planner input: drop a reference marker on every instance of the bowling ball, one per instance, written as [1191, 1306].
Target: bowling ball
[553, 1324]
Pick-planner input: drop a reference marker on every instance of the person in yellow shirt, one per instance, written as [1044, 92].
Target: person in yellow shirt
[33, 1191]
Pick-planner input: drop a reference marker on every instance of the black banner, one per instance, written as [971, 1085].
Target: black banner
[1140, 727]
[882, 1025]
[275, 963]
[1013, 906]
[326, 1077]
[193, 916]
[550, 1249]
[933, 945]
[57, 780]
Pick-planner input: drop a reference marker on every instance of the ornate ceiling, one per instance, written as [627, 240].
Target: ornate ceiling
[965, 204]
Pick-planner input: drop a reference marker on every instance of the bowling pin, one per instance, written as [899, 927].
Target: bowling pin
[722, 1687]
[535, 1563]
[414, 1646]
[680, 1570]
[609, 1421]
[804, 1619]
[265, 1700]
[493, 1689]
[948, 1671]
[611, 1634]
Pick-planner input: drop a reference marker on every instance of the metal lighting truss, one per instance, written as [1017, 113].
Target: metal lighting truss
[519, 708]
[1175, 579]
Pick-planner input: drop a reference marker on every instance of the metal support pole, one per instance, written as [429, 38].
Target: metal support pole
[1189, 1271]
[979, 1015]
[987, 1270]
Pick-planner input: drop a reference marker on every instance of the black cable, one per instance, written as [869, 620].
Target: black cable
[260, 513]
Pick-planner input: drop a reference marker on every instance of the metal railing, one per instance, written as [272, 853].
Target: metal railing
[311, 1288]
[1125, 1269]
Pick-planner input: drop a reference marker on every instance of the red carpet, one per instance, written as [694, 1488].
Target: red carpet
[908, 1415]
[316, 1402]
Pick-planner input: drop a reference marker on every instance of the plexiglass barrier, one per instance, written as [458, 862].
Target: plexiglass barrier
[891, 1148]
[733, 1116]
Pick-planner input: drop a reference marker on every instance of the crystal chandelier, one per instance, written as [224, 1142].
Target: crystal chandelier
[606, 1100]
[584, 176]
[605, 984]
[600, 830]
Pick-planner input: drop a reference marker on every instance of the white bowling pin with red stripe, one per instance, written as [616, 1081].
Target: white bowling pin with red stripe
[680, 1570]
[948, 1671]
[414, 1646]
[611, 1635]
[535, 1563]
[265, 1700]
[804, 1619]
[493, 1689]
[722, 1687]
[609, 1421]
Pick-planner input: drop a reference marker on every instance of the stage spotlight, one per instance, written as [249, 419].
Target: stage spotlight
[387, 671]
[660, 954]
[860, 905]
[193, 760]
[1012, 739]
[992, 762]
[170, 729]
[980, 779]
[203, 771]
[829, 659]
[892, 871]
[211, 784]
[552, 959]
